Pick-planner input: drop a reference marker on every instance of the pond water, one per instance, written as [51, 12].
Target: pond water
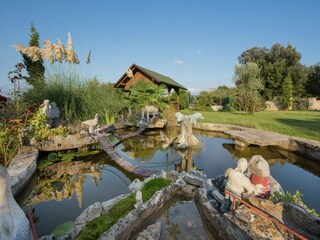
[64, 190]
[181, 219]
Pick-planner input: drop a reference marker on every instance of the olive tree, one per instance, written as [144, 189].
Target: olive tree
[248, 84]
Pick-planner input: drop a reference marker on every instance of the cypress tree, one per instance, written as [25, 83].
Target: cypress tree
[36, 69]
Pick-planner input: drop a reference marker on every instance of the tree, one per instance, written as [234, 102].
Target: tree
[35, 69]
[286, 98]
[275, 64]
[248, 84]
[313, 82]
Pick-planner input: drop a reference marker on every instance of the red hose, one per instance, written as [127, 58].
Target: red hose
[33, 230]
[236, 198]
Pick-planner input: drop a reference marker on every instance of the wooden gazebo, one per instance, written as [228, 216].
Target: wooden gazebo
[136, 73]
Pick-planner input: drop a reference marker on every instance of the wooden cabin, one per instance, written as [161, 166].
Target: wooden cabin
[136, 73]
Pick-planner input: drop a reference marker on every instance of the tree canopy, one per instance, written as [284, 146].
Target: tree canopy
[248, 84]
[275, 65]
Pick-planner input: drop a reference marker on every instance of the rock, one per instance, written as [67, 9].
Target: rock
[59, 143]
[152, 232]
[244, 215]
[194, 179]
[217, 196]
[21, 169]
[13, 222]
[90, 213]
[136, 185]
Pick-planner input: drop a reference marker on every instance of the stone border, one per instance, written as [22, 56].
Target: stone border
[22, 168]
[193, 185]
[247, 136]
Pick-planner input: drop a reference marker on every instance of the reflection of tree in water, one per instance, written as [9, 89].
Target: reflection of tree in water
[142, 147]
[62, 180]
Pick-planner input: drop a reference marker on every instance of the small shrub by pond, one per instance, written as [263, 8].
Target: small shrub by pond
[120, 209]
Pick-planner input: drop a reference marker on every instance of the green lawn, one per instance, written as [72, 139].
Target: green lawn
[305, 124]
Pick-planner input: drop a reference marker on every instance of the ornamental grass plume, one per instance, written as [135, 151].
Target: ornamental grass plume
[71, 56]
[47, 51]
[34, 52]
[59, 51]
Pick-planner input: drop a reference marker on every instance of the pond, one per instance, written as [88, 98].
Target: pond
[61, 192]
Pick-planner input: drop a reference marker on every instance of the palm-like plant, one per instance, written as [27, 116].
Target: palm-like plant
[144, 94]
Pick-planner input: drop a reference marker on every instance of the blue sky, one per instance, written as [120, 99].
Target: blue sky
[197, 43]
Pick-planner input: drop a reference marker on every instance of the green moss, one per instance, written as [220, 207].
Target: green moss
[120, 209]
[152, 186]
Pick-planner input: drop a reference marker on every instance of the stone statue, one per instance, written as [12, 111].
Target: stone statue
[238, 183]
[52, 113]
[186, 137]
[139, 200]
[91, 123]
[260, 173]
[13, 222]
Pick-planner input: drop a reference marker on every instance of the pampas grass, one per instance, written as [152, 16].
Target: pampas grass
[51, 52]
[77, 97]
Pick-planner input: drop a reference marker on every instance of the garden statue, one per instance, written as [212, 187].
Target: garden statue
[91, 123]
[139, 200]
[13, 222]
[52, 113]
[186, 137]
[260, 173]
[238, 183]
[149, 113]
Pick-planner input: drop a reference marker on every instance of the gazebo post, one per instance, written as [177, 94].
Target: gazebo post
[178, 98]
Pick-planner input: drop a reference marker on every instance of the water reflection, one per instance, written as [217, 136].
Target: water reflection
[63, 190]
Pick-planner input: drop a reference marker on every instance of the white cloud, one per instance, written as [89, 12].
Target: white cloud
[199, 51]
[178, 62]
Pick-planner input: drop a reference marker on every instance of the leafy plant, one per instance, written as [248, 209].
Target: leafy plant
[39, 130]
[10, 140]
[293, 199]
[110, 118]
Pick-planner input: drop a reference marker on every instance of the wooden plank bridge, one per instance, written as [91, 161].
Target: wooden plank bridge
[108, 147]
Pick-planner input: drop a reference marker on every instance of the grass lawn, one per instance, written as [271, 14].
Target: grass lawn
[305, 124]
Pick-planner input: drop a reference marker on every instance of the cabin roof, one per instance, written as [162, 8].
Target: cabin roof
[159, 78]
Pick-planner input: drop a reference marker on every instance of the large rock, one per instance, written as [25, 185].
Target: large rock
[152, 232]
[21, 169]
[90, 213]
[13, 222]
[58, 143]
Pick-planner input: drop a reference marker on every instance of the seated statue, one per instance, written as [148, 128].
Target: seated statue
[260, 172]
[13, 222]
[238, 183]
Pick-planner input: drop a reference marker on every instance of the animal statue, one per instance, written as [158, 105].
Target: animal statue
[186, 137]
[91, 123]
[129, 73]
[13, 222]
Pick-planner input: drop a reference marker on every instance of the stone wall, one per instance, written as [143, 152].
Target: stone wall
[314, 104]
[273, 106]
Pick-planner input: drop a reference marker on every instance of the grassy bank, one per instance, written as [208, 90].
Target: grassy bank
[305, 124]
